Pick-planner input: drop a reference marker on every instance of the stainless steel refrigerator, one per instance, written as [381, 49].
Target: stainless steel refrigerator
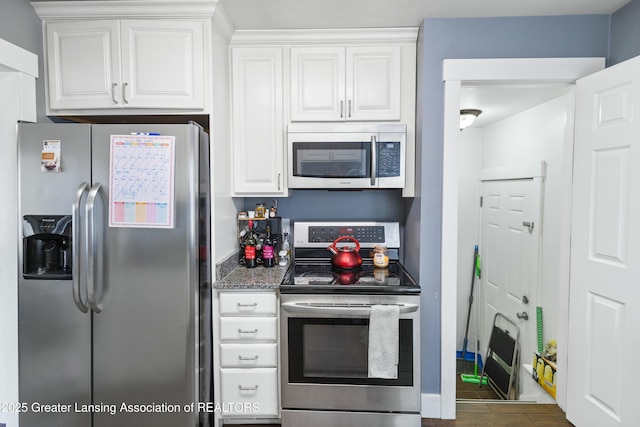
[114, 287]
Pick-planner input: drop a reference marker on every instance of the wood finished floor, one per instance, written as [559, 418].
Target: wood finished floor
[502, 414]
[480, 406]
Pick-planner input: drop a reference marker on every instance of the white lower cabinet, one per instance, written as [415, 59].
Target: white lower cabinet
[250, 392]
[248, 329]
[247, 356]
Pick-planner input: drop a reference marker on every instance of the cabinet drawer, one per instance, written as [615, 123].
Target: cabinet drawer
[256, 389]
[248, 329]
[248, 303]
[248, 355]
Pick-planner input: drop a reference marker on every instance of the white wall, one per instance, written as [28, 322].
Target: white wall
[469, 163]
[539, 133]
[223, 209]
[17, 92]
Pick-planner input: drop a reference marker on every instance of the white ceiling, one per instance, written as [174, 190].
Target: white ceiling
[496, 102]
[263, 14]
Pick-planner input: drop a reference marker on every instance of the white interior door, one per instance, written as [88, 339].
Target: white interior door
[604, 309]
[509, 250]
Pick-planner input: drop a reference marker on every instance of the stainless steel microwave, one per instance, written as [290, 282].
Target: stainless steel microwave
[357, 156]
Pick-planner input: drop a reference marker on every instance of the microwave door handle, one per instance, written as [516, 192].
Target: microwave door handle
[374, 161]
[75, 247]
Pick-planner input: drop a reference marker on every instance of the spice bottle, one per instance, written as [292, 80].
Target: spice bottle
[380, 256]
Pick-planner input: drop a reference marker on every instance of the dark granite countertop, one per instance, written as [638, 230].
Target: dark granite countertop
[252, 278]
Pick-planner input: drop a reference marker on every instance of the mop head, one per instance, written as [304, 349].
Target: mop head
[473, 379]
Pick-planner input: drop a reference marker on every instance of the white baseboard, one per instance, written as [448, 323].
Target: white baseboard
[431, 407]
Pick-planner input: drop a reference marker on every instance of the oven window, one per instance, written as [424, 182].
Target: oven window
[332, 160]
[335, 351]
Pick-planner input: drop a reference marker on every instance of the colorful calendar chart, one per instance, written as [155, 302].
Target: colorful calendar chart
[141, 190]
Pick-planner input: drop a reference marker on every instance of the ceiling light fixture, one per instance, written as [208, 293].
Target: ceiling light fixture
[467, 117]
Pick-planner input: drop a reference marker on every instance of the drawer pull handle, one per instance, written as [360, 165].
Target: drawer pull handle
[255, 304]
[242, 331]
[248, 358]
[244, 388]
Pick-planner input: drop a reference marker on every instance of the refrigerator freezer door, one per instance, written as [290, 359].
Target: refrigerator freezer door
[54, 335]
[146, 335]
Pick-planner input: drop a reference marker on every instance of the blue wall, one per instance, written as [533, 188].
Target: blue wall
[325, 205]
[513, 37]
[625, 33]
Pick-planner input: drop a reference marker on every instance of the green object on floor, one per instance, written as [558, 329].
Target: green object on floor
[473, 378]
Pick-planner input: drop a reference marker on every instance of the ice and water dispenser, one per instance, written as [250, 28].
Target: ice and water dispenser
[46, 247]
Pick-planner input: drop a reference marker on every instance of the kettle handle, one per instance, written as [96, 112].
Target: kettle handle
[353, 239]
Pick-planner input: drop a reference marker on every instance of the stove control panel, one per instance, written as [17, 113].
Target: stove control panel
[364, 234]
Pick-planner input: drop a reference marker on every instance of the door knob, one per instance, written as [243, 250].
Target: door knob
[522, 315]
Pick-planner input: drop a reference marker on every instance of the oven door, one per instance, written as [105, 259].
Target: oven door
[325, 354]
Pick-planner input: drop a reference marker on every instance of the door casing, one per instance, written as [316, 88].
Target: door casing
[455, 72]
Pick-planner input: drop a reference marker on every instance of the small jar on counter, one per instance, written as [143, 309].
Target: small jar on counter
[261, 210]
[380, 256]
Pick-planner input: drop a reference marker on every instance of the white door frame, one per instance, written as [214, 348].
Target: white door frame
[18, 71]
[454, 72]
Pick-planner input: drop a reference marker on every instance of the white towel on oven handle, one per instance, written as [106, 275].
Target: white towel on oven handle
[384, 339]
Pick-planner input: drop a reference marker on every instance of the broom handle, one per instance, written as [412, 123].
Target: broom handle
[473, 276]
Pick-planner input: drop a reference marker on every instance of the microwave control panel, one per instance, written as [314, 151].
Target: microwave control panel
[388, 159]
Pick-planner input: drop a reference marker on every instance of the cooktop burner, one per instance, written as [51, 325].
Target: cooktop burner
[324, 278]
[313, 273]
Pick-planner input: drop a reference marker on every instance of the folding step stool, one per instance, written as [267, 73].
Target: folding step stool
[503, 359]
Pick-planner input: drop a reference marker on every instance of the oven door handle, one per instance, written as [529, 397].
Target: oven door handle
[340, 309]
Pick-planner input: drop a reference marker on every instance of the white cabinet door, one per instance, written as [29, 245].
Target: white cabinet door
[83, 64]
[353, 83]
[258, 126]
[317, 83]
[373, 83]
[248, 329]
[162, 64]
[246, 303]
[253, 392]
[115, 64]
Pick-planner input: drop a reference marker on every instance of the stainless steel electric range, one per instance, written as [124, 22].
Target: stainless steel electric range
[325, 334]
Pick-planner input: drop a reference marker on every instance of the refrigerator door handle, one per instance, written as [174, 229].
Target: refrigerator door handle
[92, 249]
[75, 245]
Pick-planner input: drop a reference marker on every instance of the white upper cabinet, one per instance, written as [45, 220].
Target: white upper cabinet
[357, 83]
[115, 64]
[258, 126]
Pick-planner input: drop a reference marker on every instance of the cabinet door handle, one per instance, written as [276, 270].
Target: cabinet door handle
[113, 92]
[243, 331]
[248, 358]
[341, 109]
[349, 110]
[255, 304]
[124, 93]
[248, 388]
[279, 176]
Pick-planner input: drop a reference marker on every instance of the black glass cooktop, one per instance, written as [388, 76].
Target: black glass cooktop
[319, 277]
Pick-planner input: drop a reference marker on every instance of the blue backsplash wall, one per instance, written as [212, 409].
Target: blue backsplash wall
[328, 205]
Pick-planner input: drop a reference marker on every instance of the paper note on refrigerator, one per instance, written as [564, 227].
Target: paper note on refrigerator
[141, 181]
